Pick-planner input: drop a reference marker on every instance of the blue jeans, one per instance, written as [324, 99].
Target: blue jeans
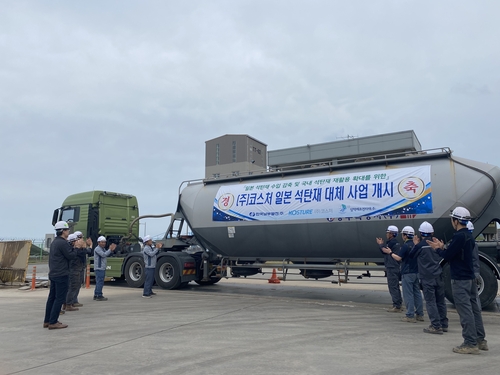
[412, 295]
[99, 282]
[148, 284]
[469, 309]
[57, 296]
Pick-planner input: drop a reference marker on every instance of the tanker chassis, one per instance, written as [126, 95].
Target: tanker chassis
[321, 220]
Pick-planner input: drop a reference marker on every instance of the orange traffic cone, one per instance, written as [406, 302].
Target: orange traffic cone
[87, 277]
[274, 279]
[33, 279]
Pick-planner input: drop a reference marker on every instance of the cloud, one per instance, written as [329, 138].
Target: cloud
[122, 96]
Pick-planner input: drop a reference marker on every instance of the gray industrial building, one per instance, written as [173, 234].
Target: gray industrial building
[345, 150]
[233, 155]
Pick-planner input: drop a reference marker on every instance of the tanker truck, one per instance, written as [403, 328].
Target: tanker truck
[321, 219]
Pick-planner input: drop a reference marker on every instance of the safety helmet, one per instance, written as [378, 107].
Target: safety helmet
[409, 231]
[462, 214]
[470, 226]
[426, 229]
[61, 225]
[101, 239]
[79, 234]
[393, 229]
[72, 237]
[146, 239]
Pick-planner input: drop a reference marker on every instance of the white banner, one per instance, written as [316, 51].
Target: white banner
[400, 191]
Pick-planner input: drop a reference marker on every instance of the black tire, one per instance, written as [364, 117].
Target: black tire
[134, 272]
[487, 284]
[167, 273]
[213, 280]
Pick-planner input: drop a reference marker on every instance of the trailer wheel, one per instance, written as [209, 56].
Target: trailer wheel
[134, 273]
[167, 273]
[487, 285]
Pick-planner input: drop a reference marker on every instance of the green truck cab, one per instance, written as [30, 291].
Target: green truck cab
[103, 213]
[116, 216]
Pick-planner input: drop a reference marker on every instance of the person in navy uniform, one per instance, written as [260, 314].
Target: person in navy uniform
[392, 266]
[460, 255]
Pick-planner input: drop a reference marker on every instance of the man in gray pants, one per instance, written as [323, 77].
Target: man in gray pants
[392, 266]
[459, 255]
[431, 278]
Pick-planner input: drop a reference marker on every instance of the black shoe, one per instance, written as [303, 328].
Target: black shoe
[153, 294]
[101, 298]
[95, 297]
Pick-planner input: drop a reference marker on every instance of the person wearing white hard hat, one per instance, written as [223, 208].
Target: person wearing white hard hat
[459, 255]
[59, 256]
[431, 277]
[68, 306]
[77, 267]
[392, 266]
[83, 248]
[409, 277]
[100, 256]
[149, 265]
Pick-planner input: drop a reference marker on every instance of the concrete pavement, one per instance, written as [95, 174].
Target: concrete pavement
[234, 327]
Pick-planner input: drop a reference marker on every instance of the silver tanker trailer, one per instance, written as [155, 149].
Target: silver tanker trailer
[323, 219]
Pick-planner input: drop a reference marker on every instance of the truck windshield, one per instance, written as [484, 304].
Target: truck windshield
[70, 214]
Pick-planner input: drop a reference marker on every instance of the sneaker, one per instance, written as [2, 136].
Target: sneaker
[431, 329]
[482, 345]
[153, 293]
[71, 308]
[407, 319]
[419, 318]
[145, 296]
[445, 329]
[95, 297]
[394, 309]
[57, 325]
[466, 349]
[101, 298]
[77, 304]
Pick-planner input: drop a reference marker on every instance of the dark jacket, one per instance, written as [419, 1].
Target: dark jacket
[389, 261]
[459, 255]
[408, 263]
[80, 261]
[428, 260]
[61, 253]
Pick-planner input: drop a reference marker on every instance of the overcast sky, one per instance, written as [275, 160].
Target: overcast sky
[122, 95]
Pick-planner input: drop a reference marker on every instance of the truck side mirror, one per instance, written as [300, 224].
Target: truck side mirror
[55, 216]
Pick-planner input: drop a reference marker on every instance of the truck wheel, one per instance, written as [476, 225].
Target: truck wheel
[167, 273]
[487, 285]
[134, 273]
